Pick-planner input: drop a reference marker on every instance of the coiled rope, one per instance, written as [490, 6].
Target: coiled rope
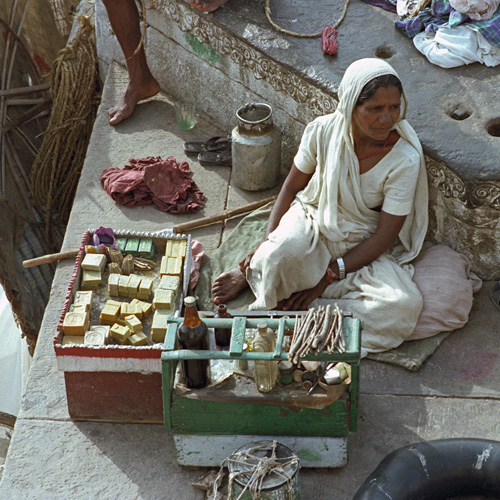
[75, 96]
[302, 35]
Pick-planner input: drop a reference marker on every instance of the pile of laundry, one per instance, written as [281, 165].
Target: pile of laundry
[450, 33]
[165, 183]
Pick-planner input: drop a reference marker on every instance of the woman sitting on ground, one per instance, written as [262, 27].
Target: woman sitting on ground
[350, 217]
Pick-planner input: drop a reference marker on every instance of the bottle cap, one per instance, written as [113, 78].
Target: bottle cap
[189, 300]
[262, 325]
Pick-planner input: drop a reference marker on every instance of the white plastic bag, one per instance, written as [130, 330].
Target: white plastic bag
[450, 48]
[479, 10]
[410, 7]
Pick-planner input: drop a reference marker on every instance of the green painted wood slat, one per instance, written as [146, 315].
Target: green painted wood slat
[237, 336]
[212, 417]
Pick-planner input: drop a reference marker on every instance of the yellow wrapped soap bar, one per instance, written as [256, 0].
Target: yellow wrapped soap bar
[163, 299]
[145, 289]
[160, 324]
[168, 282]
[120, 333]
[176, 248]
[123, 285]
[110, 312]
[137, 339]
[75, 323]
[134, 323]
[133, 285]
[94, 262]
[86, 297]
[171, 266]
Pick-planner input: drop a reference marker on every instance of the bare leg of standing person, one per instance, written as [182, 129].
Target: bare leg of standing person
[124, 18]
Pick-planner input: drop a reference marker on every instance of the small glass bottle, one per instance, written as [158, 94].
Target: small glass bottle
[222, 335]
[193, 334]
[266, 372]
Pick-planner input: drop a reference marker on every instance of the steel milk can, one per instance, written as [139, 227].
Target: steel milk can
[256, 148]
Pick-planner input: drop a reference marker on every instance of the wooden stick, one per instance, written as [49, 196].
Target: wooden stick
[204, 221]
[24, 90]
[226, 214]
[47, 259]
[24, 102]
[27, 115]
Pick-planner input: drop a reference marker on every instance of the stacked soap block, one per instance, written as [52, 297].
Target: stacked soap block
[120, 321]
[125, 320]
[172, 264]
[133, 286]
[93, 265]
[77, 319]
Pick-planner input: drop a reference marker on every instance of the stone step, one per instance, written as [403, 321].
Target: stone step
[233, 56]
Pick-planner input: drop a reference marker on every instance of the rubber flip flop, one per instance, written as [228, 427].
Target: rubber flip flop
[222, 158]
[212, 144]
[495, 294]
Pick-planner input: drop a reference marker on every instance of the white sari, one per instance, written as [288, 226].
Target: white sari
[329, 218]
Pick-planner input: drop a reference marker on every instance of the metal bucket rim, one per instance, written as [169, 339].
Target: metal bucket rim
[256, 104]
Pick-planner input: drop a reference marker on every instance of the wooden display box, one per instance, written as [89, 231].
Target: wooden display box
[209, 424]
[115, 383]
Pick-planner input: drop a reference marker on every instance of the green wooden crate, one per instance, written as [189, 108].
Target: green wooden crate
[214, 414]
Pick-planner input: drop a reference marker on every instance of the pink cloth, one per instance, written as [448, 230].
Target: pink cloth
[447, 285]
[146, 181]
[329, 40]
[197, 253]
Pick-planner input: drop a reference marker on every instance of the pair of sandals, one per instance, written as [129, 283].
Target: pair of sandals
[214, 151]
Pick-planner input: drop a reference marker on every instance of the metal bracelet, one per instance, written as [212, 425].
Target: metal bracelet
[340, 262]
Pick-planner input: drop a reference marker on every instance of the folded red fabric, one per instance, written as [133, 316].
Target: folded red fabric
[329, 40]
[165, 183]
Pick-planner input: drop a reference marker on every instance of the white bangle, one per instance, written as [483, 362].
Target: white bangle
[340, 262]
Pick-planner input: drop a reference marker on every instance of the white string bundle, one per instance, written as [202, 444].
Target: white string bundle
[256, 469]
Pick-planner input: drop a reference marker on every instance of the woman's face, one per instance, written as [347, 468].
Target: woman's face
[375, 118]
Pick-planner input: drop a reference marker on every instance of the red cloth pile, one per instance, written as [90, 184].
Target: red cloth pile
[166, 183]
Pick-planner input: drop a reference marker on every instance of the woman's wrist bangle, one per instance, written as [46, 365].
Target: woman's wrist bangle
[340, 263]
[329, 275]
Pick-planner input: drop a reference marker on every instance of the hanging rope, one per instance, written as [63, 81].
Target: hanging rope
[302, 35]
[76, 96]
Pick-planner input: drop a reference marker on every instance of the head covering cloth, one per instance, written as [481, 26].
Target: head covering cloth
[335, 186]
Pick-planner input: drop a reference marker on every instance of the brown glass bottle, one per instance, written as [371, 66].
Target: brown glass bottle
[222, 335]
[192, 334]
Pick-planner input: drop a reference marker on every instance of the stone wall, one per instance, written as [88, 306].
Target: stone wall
[195, 58]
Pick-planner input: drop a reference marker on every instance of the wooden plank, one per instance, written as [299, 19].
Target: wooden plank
[25, 90]
[170, 337]
[115, 396]
[168, 375]
[212, 417]
[210, 451]
[279, 339]
[237, 336]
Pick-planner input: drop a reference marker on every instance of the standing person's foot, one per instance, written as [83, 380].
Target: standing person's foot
[228, 286]
[132, 95]
[207, 5]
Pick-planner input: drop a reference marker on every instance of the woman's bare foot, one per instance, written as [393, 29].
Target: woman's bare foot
[228, 286]
[132, 95]
[207, 5]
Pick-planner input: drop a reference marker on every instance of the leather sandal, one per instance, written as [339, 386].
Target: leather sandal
[212, 144]
[222, 158]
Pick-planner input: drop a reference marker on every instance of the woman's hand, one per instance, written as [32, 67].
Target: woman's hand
[299, 301]
[245, 263]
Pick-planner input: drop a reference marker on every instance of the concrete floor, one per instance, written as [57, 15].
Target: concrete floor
[455, 394]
